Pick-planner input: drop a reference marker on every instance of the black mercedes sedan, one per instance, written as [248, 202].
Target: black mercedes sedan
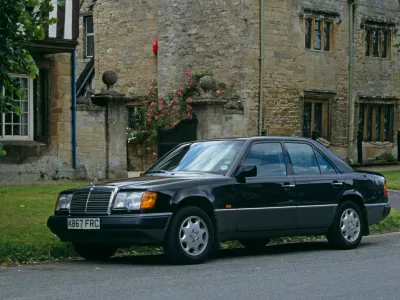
[205, 192]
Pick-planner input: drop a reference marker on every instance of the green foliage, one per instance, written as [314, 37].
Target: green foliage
[385, 157]
[21, 22]
[2, 151]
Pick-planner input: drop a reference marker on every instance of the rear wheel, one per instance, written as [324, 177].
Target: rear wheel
[254, 244]
[347, 228]
[94, 251]
[190, 237]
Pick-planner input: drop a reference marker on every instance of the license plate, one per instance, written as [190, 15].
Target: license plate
[87, 223]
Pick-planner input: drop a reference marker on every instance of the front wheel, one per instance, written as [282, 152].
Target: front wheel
[190, 237]
[347, 227]
[94, 251]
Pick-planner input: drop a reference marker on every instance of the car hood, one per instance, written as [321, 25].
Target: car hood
[157, 180]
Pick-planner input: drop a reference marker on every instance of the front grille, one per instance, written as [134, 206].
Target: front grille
[91, 201]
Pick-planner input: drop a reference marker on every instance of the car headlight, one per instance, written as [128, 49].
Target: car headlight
[135, 200]
[64, 202]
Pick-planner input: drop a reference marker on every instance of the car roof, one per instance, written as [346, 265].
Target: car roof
[286, 138]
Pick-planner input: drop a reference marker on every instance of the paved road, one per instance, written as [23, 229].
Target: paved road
[394, 200]
[298, 271]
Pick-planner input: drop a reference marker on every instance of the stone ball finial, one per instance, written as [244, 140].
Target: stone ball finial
[207, 83]
[109, 79]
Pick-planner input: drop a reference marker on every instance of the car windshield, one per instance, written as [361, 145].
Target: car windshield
[208, 157]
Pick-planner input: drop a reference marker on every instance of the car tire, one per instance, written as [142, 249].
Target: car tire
[94, 251]
[254, 244]
[347, 227]
[190, 236]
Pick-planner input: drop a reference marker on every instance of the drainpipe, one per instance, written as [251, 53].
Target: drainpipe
[260, 116]
[73, 92]
[351, 70]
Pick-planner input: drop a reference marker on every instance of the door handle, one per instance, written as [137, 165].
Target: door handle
[288, 185]
[337, 183]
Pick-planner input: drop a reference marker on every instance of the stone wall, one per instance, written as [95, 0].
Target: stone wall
[221, 36]
[91, 141]
[124, 32]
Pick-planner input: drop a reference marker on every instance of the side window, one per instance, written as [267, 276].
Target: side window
[325, 166]
[303, 159]
[268, 157]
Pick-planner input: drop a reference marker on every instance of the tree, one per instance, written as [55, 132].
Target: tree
[21, 22]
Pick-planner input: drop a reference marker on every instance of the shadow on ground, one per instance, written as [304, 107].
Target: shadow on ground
[281, 249]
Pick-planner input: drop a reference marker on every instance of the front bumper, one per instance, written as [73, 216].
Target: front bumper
[122, 230]
[377, 212]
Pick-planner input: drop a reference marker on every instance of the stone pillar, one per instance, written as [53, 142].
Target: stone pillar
[210, 112]
[116, 123]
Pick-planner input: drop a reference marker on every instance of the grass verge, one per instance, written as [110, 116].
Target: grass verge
[25, 238]
[393, 179]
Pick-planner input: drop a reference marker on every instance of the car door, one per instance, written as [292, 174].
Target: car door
[266, 202]
[318, 185]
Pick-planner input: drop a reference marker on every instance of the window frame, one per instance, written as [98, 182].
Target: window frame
[88, 34]
[325, 117]
[315, 151]
[284, 154]
[369, 31]
[30, 135]
[322, 21]
[365, 106]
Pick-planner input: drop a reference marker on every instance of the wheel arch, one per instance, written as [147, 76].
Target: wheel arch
[203, 203]
[359, 201]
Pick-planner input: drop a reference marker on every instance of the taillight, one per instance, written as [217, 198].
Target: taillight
[385, 190]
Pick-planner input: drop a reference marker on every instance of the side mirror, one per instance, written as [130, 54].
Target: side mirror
[246, 171]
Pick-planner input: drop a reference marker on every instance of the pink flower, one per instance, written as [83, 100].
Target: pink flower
[149, 115]
[223, 92]
[161, 107]
[181, 89]
[188, 107]
[187, 73]
[188, 99]
[160, 102]
[153, 104]
[175, 100]
[169, 104]
[175, 107]
[179, 94]
[161, 98]
[156, 118]
[218, 92]
[189, 115]
[148, 148]
[154, 153]
[162, 115]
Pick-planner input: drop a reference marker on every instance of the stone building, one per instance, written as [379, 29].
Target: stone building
[301, 66]
[289, 58]
[39, 143]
